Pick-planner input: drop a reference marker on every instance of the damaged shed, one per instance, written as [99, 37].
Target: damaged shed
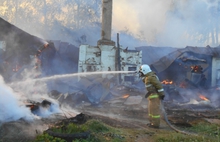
[191, 64]
[19, 49]
[21, 52]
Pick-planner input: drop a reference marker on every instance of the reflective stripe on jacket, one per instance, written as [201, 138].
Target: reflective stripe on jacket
[153, 96]
[154, 116]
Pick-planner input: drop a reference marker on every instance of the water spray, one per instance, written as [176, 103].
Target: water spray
[75, 75]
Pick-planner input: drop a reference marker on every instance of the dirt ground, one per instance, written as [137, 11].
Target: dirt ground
[135, 117]
[23, 131]
[120, 112]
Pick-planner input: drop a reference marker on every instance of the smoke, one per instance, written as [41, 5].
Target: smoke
[144, 16]
[15, 97]
[12, 108]
[175, 23]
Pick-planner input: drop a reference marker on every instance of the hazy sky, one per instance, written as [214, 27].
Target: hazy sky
[141, 15]
[167, 22]
[176, 23]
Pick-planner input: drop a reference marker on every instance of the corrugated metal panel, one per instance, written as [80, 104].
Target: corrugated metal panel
[152, 54]
[164, 62]
[17, 39]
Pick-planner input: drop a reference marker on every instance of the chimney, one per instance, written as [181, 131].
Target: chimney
[106, 23]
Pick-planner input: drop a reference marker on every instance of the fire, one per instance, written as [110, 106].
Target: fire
[167, 82]
[125, 96]
[183, 85]
[218, 88]
[203, 98]
[46, 45]
[16, 68]
[196, 68]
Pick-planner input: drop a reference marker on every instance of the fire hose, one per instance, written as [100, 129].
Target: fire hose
[165, 116]
[170, 125]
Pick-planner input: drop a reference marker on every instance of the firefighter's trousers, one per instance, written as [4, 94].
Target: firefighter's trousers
[154, 109]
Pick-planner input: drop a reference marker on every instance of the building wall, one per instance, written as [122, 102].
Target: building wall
[103, 58]
[215, 71]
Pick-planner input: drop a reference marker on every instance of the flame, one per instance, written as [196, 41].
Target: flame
[46, 45]
[32, 106]
[167, 82]
[196, 68]
[218, 88]
[125, 96]
[16, 68]
[203, 98]
[183, 85]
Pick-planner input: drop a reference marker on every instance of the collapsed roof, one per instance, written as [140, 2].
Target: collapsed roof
[151, 54]
[187, 53]
[18, 40]
[21, 48]
[63, 57]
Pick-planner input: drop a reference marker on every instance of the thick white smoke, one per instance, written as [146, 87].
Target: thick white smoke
[15, 97]
[12, 107]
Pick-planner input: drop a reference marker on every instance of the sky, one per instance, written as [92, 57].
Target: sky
[141, 15]
[175, 23]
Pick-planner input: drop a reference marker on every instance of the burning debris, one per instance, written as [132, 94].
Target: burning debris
[39, 108]
[189, 72]
[203, 98]
[181, 70]
[167, 82]
[203, 101]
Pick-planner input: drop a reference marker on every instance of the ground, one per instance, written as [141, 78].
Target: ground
[119, 118]
[129, 113]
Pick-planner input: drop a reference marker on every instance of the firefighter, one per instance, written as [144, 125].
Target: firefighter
[155, 93]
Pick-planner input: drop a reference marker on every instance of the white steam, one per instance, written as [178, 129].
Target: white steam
[16, 95]
[12, 108]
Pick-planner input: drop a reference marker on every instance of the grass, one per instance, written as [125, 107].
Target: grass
[207, 133]
[101, 132]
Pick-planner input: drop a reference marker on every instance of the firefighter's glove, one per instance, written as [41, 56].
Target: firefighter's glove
[161, 95]
[147, 95]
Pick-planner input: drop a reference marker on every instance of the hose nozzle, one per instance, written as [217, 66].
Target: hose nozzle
[136, 71]
[133, 72]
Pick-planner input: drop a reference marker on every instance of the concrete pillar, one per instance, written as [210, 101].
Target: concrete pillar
[106, 23]
[106, 19]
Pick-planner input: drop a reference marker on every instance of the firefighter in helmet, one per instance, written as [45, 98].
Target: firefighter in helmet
[155, 93]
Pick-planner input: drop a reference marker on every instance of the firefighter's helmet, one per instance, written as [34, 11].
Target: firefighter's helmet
[144, 69]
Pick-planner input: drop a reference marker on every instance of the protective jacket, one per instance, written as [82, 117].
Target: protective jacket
[155, 91]
[153, 84]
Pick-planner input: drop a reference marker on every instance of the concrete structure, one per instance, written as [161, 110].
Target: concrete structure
[215, 75]
[3, 45]
[106, 19]
[106, 56]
